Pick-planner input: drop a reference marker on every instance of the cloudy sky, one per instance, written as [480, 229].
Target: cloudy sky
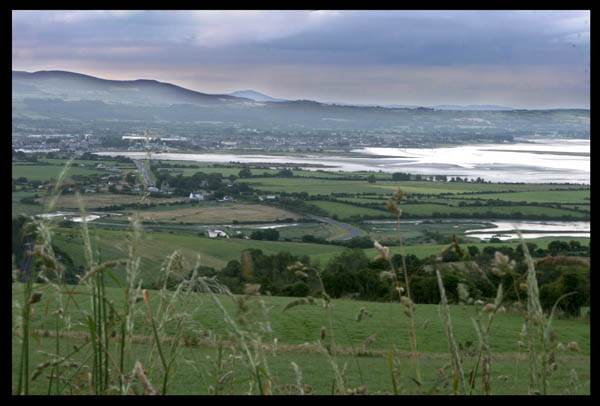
[523, 59]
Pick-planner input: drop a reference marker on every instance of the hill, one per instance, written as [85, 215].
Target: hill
[254, 95]
[77, 99]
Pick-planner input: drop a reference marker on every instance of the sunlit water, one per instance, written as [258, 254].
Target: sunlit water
[506, 230]
[538, 161]
[542, 161]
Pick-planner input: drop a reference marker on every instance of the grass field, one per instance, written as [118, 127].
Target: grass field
[49, 172]
[93, 201]
[155, 246]
[297, 330]
[546, 196]
[217, 213]
[344, 211]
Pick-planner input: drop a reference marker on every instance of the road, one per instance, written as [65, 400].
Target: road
[354, 232]
[145, 171]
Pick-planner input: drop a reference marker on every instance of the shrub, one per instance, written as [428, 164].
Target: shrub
[566, 283]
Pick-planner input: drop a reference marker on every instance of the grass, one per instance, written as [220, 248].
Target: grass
[223, 213]
[302, 324]
[545, 196]
[155, 246]
[99, 200]
[509, 375]
[49, 172]
[345, 211]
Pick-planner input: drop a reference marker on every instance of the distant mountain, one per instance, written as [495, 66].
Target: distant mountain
[471, 107]
[76, 86]
[256, 96]
[387, 106]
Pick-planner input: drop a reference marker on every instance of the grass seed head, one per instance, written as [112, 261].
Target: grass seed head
[398, 195]
[384, 252]
[488, 307]
[35, 297]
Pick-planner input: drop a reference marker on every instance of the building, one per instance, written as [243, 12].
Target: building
[198, 196]
[217, 233]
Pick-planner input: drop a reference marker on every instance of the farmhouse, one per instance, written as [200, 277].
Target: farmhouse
[217, 233]
[198, 196]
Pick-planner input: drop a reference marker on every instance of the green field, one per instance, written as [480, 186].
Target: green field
[546, 196]
[297, 331]
[156, 246]
[344, 211]
[50, 172]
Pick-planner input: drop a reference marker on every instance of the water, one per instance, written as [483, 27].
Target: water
[506, 230]
[540, 161]
[526, 236]
[533, 161]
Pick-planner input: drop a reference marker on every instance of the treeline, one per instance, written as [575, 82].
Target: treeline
[352, 275]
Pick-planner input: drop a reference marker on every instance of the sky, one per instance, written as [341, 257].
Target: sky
[518, 58]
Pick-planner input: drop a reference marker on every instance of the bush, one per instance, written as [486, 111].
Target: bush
[298, 289]
[567, 283]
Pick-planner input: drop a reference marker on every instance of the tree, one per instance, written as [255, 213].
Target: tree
[555, 247]
[297, 289]
[271, 234]
[399, 176]
[245, 173]
[371, 179]
[569, 282]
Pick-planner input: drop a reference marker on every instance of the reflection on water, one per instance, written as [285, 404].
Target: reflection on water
[550, 226]
[543, 228]
[543, 161]
[539, 161]
[526, 236]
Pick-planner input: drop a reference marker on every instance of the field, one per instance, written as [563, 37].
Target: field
[219, 213]
[155, 246]
[50, 172]
[297, 331]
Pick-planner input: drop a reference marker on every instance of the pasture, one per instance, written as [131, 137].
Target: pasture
[294, 336]
[216, 213]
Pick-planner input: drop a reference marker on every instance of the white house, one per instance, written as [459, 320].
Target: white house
[217, 233]
[198, 196]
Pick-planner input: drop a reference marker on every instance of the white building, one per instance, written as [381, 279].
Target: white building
[198, 196]
[217, 233]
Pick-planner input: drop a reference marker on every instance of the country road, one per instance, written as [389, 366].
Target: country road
[145, 171]
[354, 232]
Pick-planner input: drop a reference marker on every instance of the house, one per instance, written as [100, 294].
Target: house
[269, 197]
[217, 233]
[198, 196]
